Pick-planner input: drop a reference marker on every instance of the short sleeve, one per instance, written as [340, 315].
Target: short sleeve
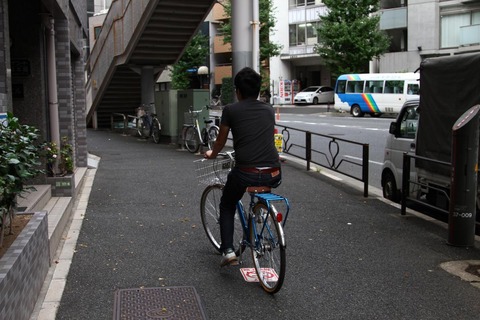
[225, 120]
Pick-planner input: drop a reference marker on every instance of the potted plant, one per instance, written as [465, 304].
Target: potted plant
[66, 157]
[60, 168]
[50, 150]
[59, 162]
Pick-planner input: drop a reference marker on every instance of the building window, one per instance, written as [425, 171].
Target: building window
[102, 5]
[301, 3]
[451, 26]
[96, 32]
[303, 33]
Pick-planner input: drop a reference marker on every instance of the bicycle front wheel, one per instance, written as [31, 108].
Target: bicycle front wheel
[267, 243]
[210, 214]
[143, 128]
[192, 140]
[140, 126]
[156, 131]
[212, 136]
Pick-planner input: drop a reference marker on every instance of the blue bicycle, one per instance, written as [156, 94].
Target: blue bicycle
[260, 228]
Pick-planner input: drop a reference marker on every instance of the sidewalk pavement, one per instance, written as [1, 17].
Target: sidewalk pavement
[137, 225]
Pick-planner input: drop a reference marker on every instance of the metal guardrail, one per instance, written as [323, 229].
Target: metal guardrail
[406, 183]
[328, 159]
[120, 121]
[123, 121]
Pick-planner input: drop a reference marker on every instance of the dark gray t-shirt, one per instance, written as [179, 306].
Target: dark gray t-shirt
[252, 123]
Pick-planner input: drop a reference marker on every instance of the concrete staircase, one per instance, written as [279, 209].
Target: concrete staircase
[59, 209]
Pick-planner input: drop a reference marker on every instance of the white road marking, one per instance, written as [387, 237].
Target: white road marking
[329, 124]
[360, 159]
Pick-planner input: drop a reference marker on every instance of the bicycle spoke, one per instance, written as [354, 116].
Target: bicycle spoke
[268, 249]
[210, 213]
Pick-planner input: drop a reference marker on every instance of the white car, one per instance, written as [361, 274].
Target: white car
[314, 95]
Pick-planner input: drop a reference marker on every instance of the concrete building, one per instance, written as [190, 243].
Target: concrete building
[221, 54]
[297, 21]
[42, 83]
[95, 19]
[422, 29]
[418, 28]
[42, 80]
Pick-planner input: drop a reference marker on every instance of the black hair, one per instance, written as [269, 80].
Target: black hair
[248, 82]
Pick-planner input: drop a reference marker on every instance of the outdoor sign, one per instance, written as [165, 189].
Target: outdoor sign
[3, 119]
[250, 275]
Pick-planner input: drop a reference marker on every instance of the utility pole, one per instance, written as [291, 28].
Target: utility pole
[242, 42]
[255, 36]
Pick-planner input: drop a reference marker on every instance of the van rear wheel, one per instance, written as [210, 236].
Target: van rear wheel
[389, 187]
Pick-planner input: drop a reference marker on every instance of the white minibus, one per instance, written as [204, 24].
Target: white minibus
[375, 93]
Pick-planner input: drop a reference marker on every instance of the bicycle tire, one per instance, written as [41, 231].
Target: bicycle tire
[139, 125]
[192, 140]
[210, 214]
[212, 136]
[142, 129]
[267, 244]
[156, 131]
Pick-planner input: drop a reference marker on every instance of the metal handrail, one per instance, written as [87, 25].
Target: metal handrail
[330, 156]
[125, 122]
[406, 182]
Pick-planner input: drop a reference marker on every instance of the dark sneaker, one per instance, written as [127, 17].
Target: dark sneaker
[229, 258]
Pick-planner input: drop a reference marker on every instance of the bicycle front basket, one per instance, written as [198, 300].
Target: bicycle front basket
[188, 118]
[215, 171]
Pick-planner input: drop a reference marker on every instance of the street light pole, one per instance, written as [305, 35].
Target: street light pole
[202, 73]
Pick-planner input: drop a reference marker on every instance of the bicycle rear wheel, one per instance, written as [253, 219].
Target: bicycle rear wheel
[156, 131]
[212, 136]
[192, 140]
[210, 214]
[268, 247]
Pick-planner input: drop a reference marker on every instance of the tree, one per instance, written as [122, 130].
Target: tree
[349, 36]
[267, 24]
[193, 57]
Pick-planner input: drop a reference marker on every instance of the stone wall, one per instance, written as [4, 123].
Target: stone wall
[23, 269]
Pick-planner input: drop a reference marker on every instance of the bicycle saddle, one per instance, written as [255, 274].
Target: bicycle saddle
[260, 189]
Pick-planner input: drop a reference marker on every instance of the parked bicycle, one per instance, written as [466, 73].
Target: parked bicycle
[216, 101]
[192, 136]
[147, 124]
[260, 227]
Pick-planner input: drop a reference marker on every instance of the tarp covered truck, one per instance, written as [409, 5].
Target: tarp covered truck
[449, 86]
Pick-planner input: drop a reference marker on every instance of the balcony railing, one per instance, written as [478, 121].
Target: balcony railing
[219, 46]
[393, 18]
[221, 72]
[469, 35]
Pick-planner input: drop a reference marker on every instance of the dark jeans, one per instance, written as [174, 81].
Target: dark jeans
[237, 183]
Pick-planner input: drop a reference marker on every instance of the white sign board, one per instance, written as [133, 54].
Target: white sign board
[3, 119]
[250, 275]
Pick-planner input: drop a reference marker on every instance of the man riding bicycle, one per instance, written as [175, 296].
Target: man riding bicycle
[256, 159]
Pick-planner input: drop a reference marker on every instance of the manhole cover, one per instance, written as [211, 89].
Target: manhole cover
[158, 303]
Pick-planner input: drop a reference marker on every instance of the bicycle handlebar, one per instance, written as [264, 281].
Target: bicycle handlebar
[228, 154]
[198, 111]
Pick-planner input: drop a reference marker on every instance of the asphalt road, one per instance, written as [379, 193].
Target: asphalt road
[348, 257]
